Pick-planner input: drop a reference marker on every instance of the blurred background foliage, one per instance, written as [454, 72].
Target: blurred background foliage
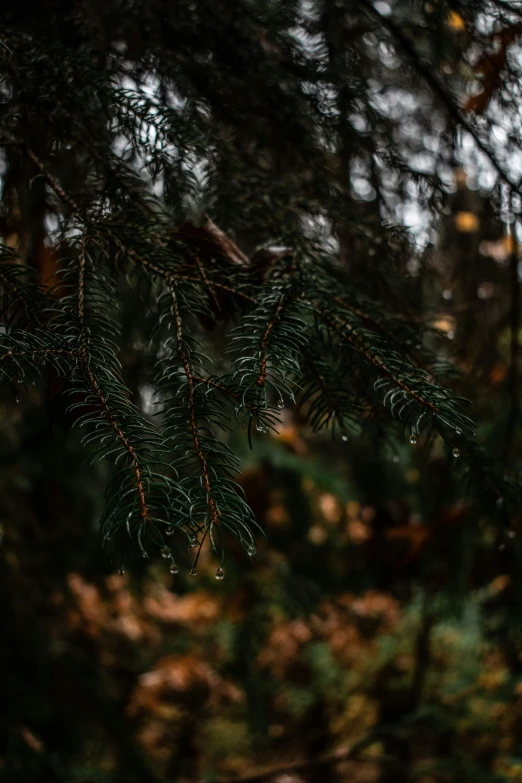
[377, 636]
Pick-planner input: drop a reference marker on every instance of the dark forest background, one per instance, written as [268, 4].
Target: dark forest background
[376, 635]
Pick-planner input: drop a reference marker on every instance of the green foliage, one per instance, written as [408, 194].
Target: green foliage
[233, 166]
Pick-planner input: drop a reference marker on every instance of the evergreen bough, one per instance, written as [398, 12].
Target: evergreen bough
[204, 154]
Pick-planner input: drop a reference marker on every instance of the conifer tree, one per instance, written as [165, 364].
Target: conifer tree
[238, 170]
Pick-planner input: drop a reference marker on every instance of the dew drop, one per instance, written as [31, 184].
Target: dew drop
[344, 437]
[458, 432]
[396, 458]
[251, 550]
[145, 555]
[456, 453]
[511, 534]
[193, 542]
[17, 400]
[194, 571]
[413, 439]
[174, 568]
[122, 570]
[220, 574]
[280, 405]
[169, 531]
[165, 552]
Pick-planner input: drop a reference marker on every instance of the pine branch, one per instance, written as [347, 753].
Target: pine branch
[432, 400]
[277, 176]
[95, 387]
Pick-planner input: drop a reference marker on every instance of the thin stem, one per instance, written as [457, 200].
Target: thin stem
[214, 514]
[53, 182]
[263, 370]
[222, 389]
[349, 333]
[300, 765]
[39, 351]
[380, 328]
[207, 283]
[133, 459]
[95, 387]
[325, 390]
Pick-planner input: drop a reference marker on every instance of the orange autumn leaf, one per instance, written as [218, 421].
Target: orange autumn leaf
[455, 21]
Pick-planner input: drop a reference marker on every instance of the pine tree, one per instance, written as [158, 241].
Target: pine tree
[240, 168]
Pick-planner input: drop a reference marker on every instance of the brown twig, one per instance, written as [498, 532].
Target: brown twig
[380, 328]
[53, 182]
[299, 765]
[214, 514]
[95, 387]
[166, 274]
[223, 390]
[348, 331]
[133, 459]
[207, 283]
[169, 276]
